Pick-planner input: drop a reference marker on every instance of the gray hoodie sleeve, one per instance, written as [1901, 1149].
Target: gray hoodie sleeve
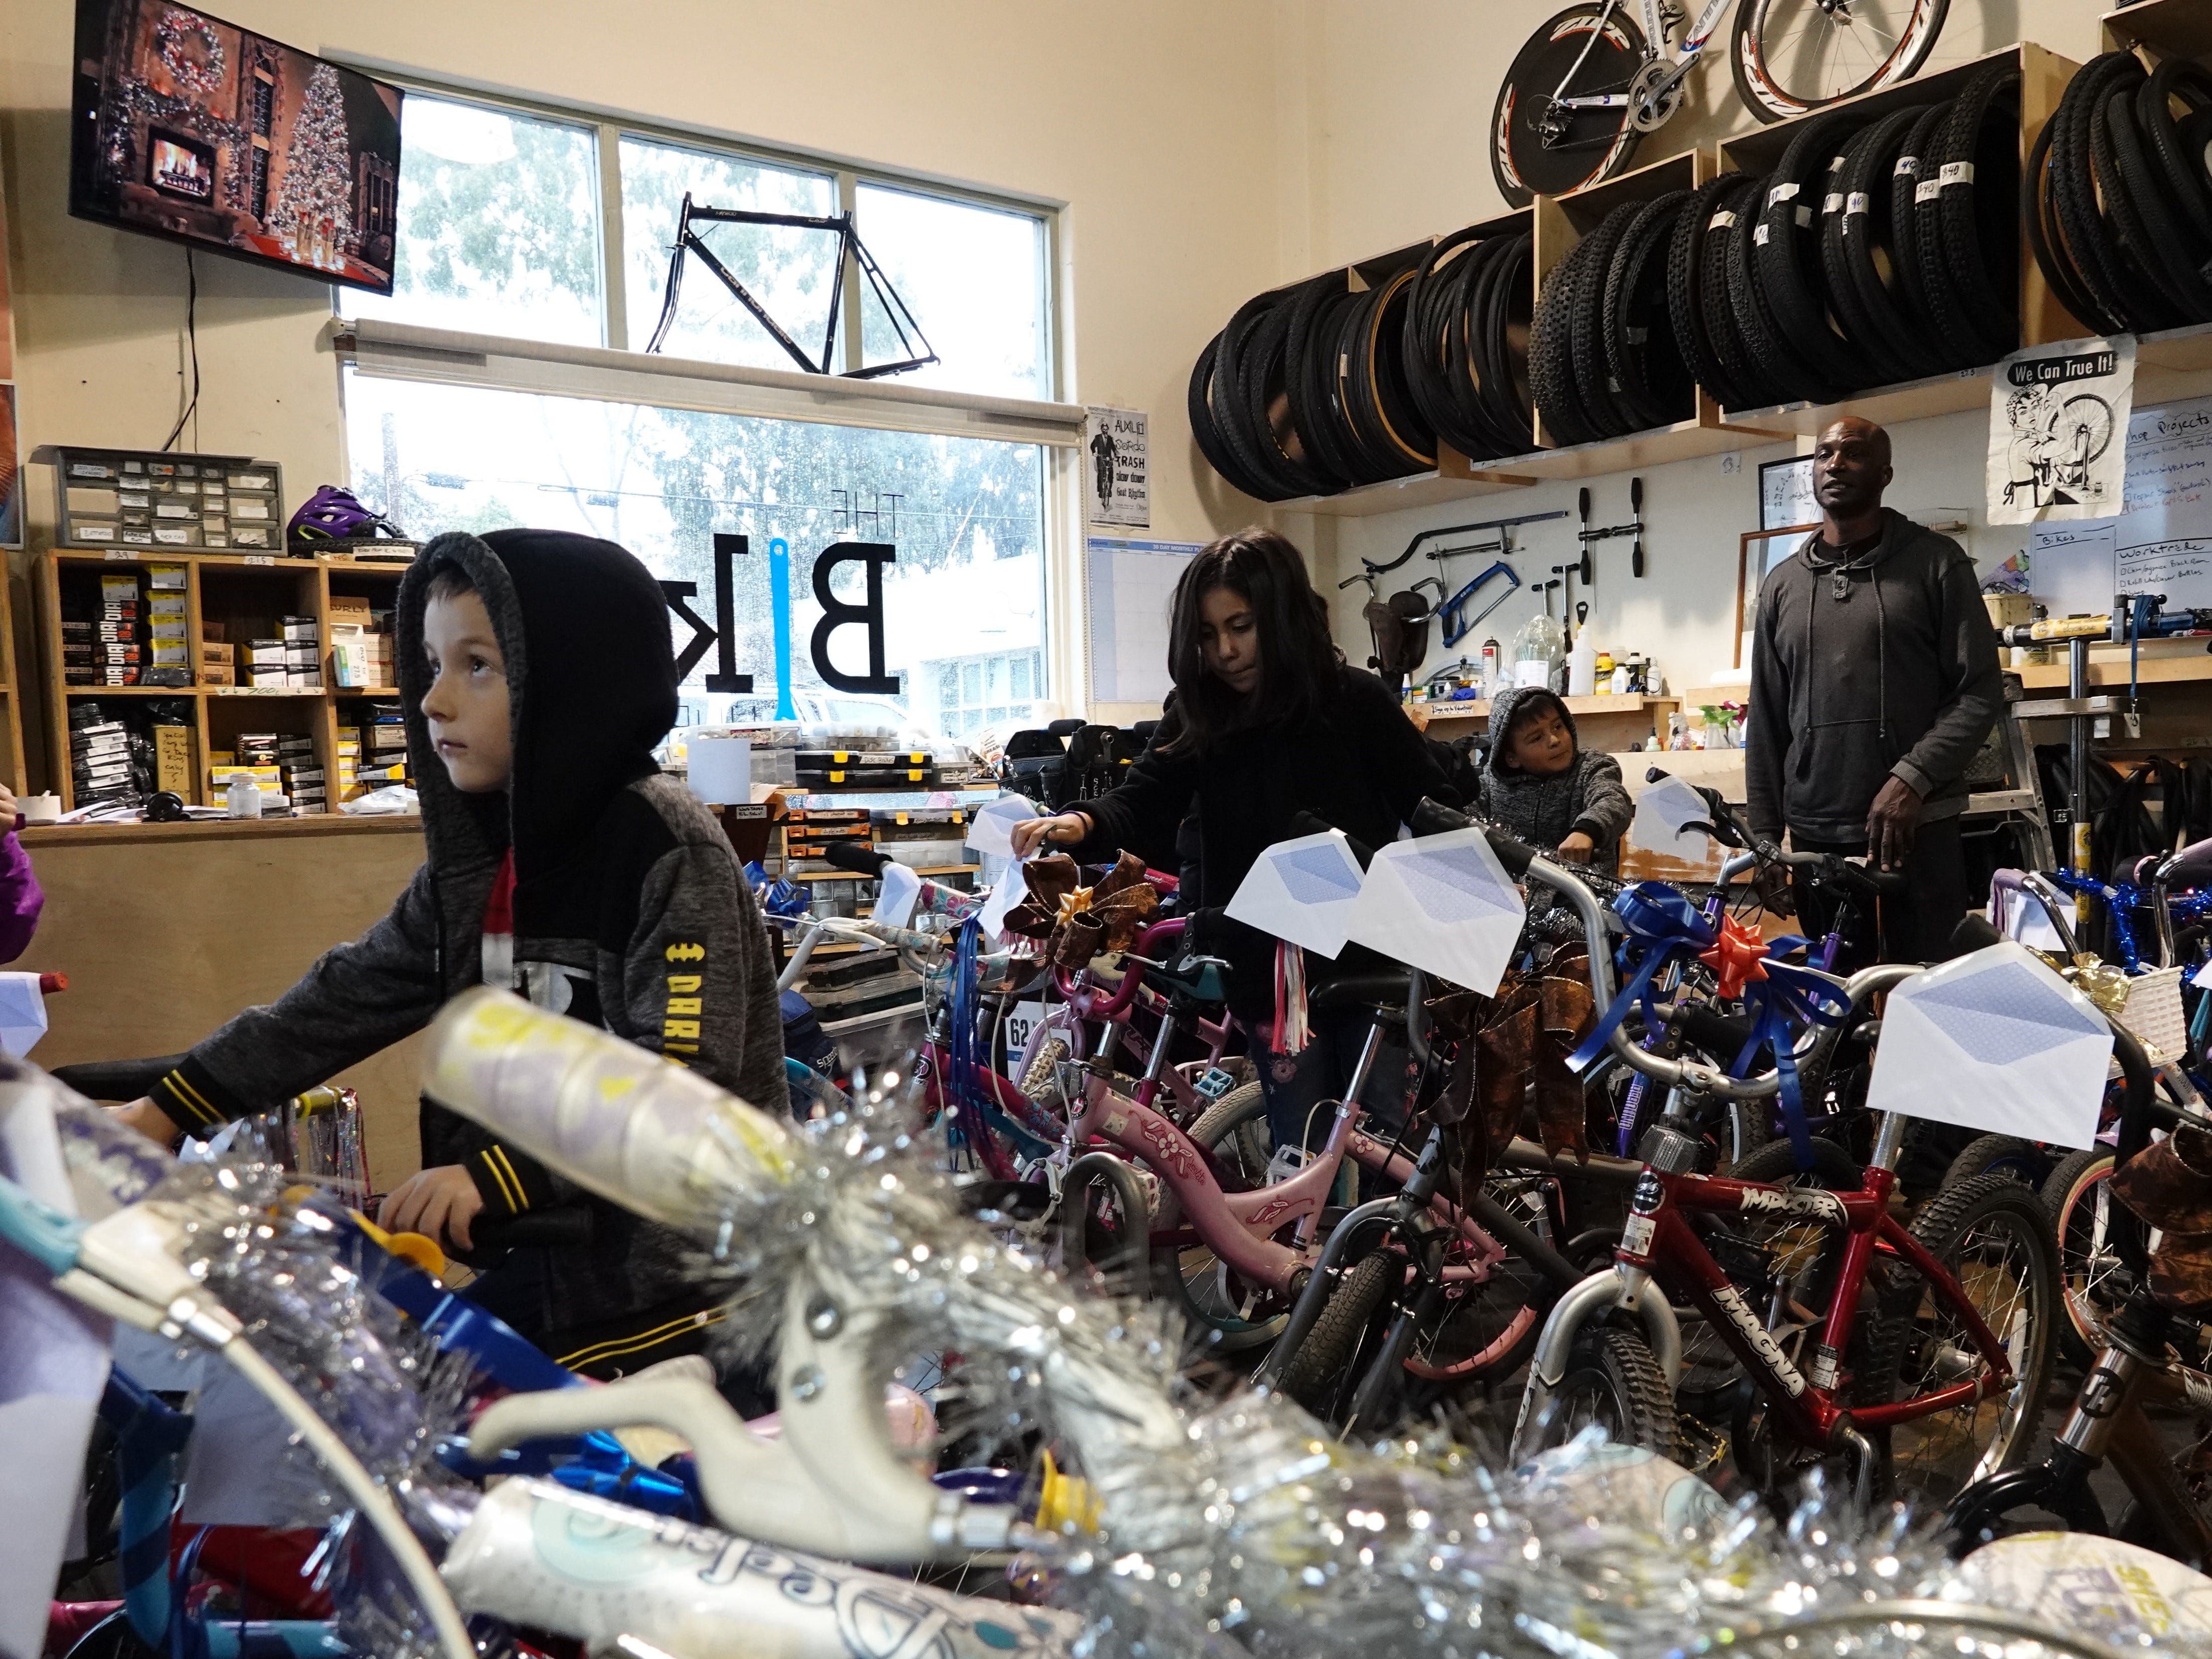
[1974, 685]
[1766, 731]
[1604, 808]
[358, 999]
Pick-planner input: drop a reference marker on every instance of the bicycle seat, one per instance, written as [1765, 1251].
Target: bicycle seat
[1383, 994]
[116, 1079]
[1202, 979]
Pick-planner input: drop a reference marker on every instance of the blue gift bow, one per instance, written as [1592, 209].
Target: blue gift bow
[1662, 925]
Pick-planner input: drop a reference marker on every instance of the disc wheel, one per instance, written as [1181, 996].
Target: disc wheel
[1792, 55]
[1994, 1238]
[1224, 1313]
[1538, 147]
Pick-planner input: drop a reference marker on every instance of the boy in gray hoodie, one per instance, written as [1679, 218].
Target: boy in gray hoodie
[536, 677]
[1537, 783]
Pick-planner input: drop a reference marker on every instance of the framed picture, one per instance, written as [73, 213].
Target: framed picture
[1785, 494]
[1758, 552]
[11, 471]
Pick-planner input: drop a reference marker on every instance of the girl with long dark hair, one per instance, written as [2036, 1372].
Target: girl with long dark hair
[1266, 720]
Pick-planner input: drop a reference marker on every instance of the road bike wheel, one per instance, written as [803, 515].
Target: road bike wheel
[1233, 1133]
[1612, 1380]
[1993, 1236]
[1317, 1373]
[1538, 149]
[2092, 1281]
[1792, 55]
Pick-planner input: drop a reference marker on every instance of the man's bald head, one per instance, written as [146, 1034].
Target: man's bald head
[1850, 470]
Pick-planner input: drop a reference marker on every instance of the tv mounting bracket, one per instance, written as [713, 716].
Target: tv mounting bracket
[851, 254]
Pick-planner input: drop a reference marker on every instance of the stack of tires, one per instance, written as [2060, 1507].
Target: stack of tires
[1315, 389]
[1877, 250]
[2118, 198]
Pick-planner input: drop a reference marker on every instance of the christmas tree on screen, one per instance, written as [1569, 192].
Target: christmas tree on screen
[313, 207]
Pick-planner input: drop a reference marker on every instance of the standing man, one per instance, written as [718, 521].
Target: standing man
[1873, 682]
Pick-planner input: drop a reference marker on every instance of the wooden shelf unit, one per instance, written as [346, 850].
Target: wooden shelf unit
[233, 589]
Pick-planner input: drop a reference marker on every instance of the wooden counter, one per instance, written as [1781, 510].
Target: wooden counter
[167, 929]
[1603, 722]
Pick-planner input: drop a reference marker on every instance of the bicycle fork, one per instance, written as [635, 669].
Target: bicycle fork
[1621, 1285]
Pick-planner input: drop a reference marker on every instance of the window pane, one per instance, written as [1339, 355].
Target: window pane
[974, 279]
[789, 271]
[498, 226]
[966, 515]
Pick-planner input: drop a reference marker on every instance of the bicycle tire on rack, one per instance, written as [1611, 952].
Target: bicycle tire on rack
[1587, 322]
[2146, 219]
[1685, 315]
[1599, 144]
[1508, 311]
[2188, 186]
[1264, 389]
[1904, 234]
[1779, 360]
[1551, 359]
[1646, 363]
[1785, 250]
[1718, 255]
[1857, 247]
[1968, 216]
[1211, 444]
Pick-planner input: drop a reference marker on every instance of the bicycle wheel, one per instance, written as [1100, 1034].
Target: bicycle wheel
[1218, 1307]
[2093, 1282]
[1536, 147]
[2092, 417]
[1611, 1380]
[1791, 56]
[1993, 1236]
[2008, 1156]
[1483, 1330]
[1318, 1374]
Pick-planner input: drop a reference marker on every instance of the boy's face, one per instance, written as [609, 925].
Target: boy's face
[467, 703]
[1542, 743]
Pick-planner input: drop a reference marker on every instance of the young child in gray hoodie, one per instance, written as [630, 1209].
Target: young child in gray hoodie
[1537, 783]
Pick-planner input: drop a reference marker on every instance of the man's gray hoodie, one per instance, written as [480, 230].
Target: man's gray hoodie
[630, 910]
[1886, 667]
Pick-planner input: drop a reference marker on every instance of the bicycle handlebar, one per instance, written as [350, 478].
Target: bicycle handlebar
[2038, 888]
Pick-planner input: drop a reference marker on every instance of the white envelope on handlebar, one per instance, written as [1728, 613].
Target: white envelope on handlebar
[1302, 890]
[991, 826]
[1671, 820]
[1443, 904]
[1997, 1042]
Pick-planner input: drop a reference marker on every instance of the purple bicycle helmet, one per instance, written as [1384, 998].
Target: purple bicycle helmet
[332, 514]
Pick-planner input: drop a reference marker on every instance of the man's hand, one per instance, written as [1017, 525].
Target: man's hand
[439, 1204]
[150, 1121]
[1892, 824]
[1030, 834]
[1576, 848]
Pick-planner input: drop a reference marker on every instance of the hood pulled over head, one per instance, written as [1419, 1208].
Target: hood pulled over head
[591, 678]
[1516, 703]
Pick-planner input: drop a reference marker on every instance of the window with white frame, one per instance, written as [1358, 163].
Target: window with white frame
[540, 228]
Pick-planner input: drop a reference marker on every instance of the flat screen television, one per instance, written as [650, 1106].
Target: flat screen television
[197, 129]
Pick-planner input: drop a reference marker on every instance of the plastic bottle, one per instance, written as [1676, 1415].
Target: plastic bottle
[1490, 668]
[242, 798]
[1582, 668]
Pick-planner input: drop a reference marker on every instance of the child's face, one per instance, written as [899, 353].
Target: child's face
[467, 704]
[1228, 636]
[1542, 743]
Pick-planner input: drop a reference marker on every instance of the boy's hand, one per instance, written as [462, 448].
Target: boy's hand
[439, 1204]
[8, 808]
[1576, 848]
[1030, 834]
[150, 1121]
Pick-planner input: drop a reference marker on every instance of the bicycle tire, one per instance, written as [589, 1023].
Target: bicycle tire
[1520, 161]
[1550, 359]
[1646, 364]
[1265, 401]
[1716, 256]
[1318, 377]
[1764, 94]
[1614, 1372]
[2011, 1157]
[2188, 186]
[1904, 236]
[1308, 328]
[1225, 399]
[1236, 1113]
[2085, 1261]
[1858, 252]
[1785, 250]
[2128, 248]
[1587, 323]
[2080, 170]
[1945, 1225]
[1685, 315]
[1508, 320]
[1778, 360]
[1411, 446]
[1199, 407]
[2148, 225]
[1435, 376]
[1970, 255]
[1314, 1377]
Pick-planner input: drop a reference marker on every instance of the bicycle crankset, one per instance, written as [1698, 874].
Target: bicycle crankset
[1655, 93]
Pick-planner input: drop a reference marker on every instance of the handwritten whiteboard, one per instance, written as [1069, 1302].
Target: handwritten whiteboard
[2161, 543]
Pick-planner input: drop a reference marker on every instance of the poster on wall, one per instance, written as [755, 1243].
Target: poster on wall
[1785, 494]
[2058, 420]
[11, 471]
[1120, 478]
[2160, 542]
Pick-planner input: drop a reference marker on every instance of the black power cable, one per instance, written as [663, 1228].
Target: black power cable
[192, 335]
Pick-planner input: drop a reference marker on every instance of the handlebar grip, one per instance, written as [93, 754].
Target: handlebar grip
[565, 1228]
[1433, 817]
[2009, 881]
[2190, 867]
[859, 858]
[1307, 822]
[1973, 934]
